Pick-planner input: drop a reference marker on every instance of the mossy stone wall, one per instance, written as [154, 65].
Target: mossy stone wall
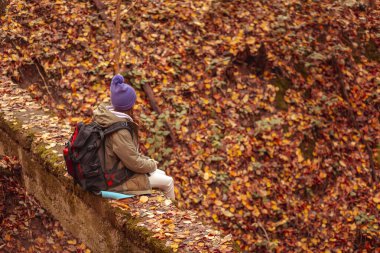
[86, 216]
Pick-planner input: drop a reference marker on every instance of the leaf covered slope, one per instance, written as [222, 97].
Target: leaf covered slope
[275, 104]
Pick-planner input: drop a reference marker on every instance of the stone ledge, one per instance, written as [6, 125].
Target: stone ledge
[36, 137]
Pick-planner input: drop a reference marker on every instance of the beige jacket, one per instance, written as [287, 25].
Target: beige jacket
[123, 146]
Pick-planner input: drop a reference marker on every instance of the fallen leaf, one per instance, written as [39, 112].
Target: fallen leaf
[144, 199]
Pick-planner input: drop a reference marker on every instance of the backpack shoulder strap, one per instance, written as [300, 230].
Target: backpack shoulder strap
[116, 127]
[111, 129]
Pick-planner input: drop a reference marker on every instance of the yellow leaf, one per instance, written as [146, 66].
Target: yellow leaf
[376, 199]
[265, 26]
[206, 176]
[218, 202]
[171, 226]
[256, 211]
[245, 98]
[237, 39]
[167, 221]
[274, 206]
[60, 106]
[235, 96]
[60, 234]
[15, 57]
[251, 40]
[281, 222]
[174, 246]
[205, 101]
[19, 6]
[314, 241]
[299, 155]
[160, 198]
[76, 119]
[215, 218]
[137, 48]
[184, 129]
[90, 100]
[227, 213]
[121, 205]
[82, 246]
[72, 242]
[144, 199]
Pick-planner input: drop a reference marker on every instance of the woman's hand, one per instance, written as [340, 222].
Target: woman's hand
[154, 161]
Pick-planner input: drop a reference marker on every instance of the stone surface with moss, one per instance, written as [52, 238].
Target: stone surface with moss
[36, 138]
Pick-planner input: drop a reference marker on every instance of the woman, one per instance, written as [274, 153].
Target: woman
[122, 146]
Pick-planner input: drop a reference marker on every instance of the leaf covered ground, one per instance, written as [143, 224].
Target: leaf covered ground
[25, 225]
[275, 105]
[153, 216]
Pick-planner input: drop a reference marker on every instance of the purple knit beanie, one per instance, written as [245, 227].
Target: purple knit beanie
[123, 96]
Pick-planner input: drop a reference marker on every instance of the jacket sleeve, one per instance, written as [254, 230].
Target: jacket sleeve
[124, 148]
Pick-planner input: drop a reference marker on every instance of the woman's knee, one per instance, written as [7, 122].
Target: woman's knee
[167, 181]
[170, 182]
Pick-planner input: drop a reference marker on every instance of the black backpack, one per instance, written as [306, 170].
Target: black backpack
[85, 161]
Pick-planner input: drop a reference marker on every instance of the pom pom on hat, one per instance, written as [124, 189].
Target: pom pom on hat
[123, 96]
[118, 79]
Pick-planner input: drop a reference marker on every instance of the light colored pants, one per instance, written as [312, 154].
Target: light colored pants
[159, 179]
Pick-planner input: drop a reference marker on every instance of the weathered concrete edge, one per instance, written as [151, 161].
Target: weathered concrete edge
[92, 219]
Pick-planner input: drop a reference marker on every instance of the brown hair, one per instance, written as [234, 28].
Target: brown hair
[130, 113]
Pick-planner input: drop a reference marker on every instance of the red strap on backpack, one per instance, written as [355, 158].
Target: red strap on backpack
[69, 150]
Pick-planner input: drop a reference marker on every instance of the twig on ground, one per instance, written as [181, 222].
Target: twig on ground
[264, 230]
[43, 79]
[133, 4]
